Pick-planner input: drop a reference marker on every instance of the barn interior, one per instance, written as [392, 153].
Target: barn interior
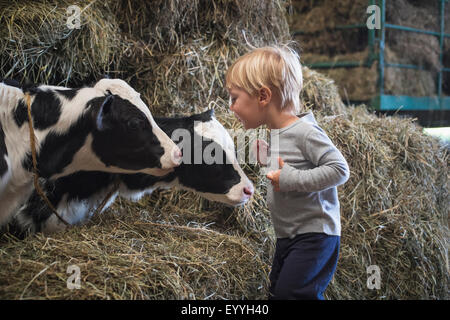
[175, 244]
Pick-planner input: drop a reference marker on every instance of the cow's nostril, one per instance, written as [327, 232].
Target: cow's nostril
[248, 191]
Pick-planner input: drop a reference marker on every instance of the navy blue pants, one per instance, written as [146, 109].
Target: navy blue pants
[303, 266]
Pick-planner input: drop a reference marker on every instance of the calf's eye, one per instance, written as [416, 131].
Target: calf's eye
[134, 124]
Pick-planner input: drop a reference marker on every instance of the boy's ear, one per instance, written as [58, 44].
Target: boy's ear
[265, 95]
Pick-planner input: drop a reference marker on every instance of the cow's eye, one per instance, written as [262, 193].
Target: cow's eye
[134, 124]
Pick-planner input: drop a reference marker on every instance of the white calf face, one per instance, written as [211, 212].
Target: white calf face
[222, 180]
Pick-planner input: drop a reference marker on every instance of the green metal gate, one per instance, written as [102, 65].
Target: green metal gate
[376, 44]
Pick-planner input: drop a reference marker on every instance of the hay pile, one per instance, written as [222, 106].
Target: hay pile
[176, 245]
[145, 45]
[321, 43]
[394, 208]
[317, 20]
[134, 255]
[37, 46]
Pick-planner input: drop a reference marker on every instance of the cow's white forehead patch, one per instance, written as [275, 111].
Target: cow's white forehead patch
[125, 91]
[214, 131]
[119, 87]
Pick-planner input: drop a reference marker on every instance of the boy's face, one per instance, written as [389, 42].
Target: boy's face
[246, 108]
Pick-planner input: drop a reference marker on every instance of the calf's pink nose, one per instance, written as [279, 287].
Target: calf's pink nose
[248, 191]
[177, 156]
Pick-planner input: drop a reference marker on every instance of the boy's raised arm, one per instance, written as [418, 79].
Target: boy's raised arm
[331, 167]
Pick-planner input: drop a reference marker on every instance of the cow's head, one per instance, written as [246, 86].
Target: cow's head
[126, 135]
[222, 180]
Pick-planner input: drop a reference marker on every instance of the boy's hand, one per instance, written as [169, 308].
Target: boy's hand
[260, 148]
[274, 176]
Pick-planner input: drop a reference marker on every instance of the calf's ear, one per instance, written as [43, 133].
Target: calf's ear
[103, 113]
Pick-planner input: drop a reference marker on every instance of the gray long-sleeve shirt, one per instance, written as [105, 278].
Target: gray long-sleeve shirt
[313, 168]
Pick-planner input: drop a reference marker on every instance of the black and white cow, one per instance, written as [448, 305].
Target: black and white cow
[106, 127]
[78, 195]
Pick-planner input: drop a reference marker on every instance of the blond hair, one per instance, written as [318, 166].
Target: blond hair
[275, 67]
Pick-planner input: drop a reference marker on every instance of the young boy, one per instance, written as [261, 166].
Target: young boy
[264, 87]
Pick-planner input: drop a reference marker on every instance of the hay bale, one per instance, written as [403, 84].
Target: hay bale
[185, 81]
[408, 82]
[179, 52]
[423, 50]
[394, 208]
[360, 83]
[320, 93]
[170, 24]
[446, 76]
[133, 258]
[318, 18]
[354, 84]
[37, 46]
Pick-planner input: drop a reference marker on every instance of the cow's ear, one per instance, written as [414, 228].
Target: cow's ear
[103, 113]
